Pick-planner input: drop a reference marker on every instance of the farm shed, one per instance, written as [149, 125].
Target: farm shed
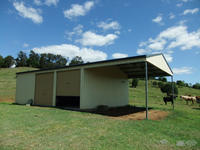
[88, 85]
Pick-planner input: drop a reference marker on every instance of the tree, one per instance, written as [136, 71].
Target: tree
[76, 60]
[160, 84]
[1, 61]
[154, 83]
[180, 83]
[135, 82]
[163, 79]
[50, 61]
[196, 86]
[33, 60]
[167, 88]
[187, 85]
[60, 61]
[46, 60]
[8, 61]
[21, 60]
[42, 62]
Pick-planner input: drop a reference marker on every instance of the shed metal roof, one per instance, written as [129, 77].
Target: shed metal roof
[134, 67]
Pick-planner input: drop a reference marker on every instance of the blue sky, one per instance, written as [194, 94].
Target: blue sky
[104, 29]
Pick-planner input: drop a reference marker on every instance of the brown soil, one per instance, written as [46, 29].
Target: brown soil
[152, 115]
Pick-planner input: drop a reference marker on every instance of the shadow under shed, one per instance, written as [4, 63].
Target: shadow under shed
[111, 111]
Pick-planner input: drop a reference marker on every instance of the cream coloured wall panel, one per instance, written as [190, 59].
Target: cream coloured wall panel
[25, 88]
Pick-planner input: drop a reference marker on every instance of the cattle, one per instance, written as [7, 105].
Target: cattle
[198, 99]
[188, 98]
[169, 99]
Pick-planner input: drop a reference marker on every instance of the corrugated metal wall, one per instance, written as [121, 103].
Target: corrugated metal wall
[68, 83]
[44, 89]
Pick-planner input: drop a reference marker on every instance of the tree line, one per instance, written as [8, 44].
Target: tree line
[35, 60]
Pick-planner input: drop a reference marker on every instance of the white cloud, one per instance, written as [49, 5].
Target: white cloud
[157, 44]
[119, 55]
[176, 36]
[111, 25]
[158, 19]
[28, 12]
[179, 4]
[181, 37]
[190, 11]
[70, 51]
[78, 30]
[182, 22]
[185, 1]
[38, 2]
[182, 70]
[117, 32]
[129, 30]
[168, 57]
[92, 39]
[51, 2]
[169, 39]
[142, 51]
[25, 45]
[46, 2]
[142, 44]
[171, 16]
[78, 10]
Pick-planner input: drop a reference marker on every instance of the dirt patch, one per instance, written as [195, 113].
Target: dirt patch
[152, 115]
[7, 100]
[131, 113]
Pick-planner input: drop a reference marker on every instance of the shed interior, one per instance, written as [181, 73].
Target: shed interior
[68, 101]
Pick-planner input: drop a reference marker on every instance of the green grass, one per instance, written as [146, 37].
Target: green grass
[23, 127]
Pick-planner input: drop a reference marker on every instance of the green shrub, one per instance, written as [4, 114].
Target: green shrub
[167, 88]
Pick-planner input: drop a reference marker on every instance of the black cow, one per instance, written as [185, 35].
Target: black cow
[169, 99]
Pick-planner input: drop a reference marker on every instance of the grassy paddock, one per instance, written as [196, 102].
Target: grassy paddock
[23, 127]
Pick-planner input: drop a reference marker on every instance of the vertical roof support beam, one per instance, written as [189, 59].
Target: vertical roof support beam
[54, 88]
[172, 91]
[146, 88]
[82, 87]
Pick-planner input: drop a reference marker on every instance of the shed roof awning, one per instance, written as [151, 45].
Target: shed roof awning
[157, 66]
[134, 67]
